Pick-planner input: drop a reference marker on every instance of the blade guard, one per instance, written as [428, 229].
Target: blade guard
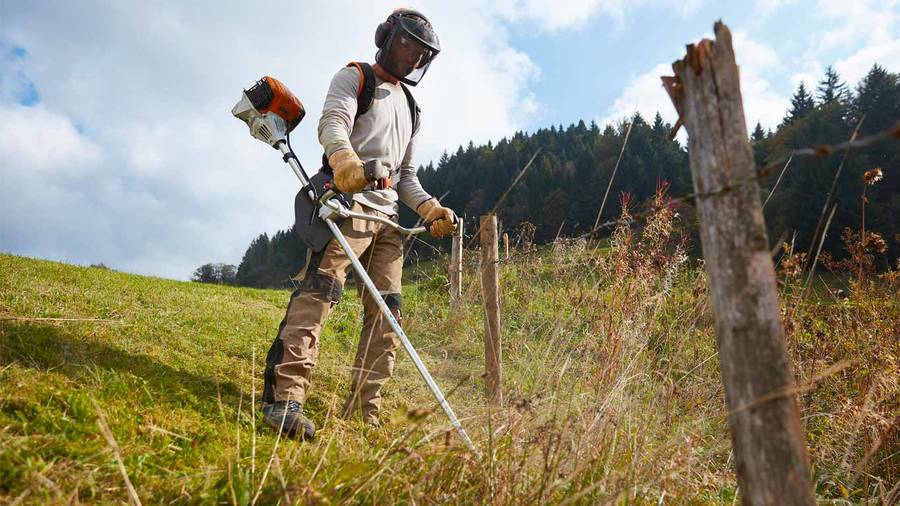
[307, 223]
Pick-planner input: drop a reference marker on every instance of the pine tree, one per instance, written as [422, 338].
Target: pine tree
[760, 148]
[254, 266]
[659, 126]
[801, 104]
[831, 88]
[878, 98]
[758, 133]
[443, 160]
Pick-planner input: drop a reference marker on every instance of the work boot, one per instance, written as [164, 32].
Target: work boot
[288, 417]
[372, 420]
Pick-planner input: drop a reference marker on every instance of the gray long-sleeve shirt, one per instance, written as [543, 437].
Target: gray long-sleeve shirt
[384, 133]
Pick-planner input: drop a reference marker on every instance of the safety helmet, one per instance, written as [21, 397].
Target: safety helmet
[406, 45]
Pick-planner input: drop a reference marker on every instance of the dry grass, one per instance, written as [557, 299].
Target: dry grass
[610, 377]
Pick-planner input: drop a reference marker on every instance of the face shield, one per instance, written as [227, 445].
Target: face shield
[409, 49]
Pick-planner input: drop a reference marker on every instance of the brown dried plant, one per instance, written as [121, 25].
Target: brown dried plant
[873, 176]
[791, 265]
[860, 245]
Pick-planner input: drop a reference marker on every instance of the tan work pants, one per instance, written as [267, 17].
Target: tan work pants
[295, 351]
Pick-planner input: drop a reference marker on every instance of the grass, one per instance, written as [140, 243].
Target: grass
[611, 386]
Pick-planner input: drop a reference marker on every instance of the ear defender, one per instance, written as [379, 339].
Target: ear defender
[382, 32]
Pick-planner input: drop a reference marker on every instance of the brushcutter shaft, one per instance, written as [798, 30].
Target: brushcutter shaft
[385, 310]
[331, 208]
[298, 169]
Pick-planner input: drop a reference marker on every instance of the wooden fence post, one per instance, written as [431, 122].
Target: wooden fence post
[456, 254]
[490, 289]
[768, 439]
[506, 245]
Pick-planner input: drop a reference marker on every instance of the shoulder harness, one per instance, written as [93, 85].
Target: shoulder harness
[365, 95]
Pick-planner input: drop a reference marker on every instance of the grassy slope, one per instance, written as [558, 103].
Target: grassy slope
[179, 349]
[634, 416]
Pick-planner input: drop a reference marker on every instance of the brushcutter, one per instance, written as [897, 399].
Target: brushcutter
[272, 112]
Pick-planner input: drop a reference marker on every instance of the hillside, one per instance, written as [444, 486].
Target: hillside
[611, 384]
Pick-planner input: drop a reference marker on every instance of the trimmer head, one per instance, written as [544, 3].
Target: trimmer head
[270, 110]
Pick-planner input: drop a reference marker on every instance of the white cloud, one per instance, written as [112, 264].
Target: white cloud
[43, 141]
[763, 8]
[809, 75]
[757, 62]
[853, 68]
[646, 95]
[132, 158]
[554, 15]
[853, 37]
[477, 90]
[755, 55]
[862, 21]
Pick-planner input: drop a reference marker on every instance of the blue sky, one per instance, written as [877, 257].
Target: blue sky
[23, 90]
[117, 144]
[586, 66]
[590, 65]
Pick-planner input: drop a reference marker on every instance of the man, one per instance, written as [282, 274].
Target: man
[360, 125]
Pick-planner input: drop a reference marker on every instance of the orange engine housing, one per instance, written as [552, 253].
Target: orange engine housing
[271, 95]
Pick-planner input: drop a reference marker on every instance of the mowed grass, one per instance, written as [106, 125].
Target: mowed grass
[169, 363]
[611, 389]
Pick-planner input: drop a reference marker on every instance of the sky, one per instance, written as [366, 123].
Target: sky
[117, 145]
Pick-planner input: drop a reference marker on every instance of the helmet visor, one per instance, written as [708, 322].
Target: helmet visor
[409, 51]
[420, 31]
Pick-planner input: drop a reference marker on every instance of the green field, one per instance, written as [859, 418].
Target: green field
[611, 388]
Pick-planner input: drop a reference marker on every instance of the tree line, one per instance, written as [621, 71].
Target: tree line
[560, 194]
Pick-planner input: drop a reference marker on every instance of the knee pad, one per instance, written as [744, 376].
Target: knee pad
[273, 358]
[394, 302]
[319, 284]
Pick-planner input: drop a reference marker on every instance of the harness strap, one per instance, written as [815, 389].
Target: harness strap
[365, 95]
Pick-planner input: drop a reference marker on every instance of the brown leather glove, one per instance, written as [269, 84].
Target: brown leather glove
[349, 176]
[442, 220]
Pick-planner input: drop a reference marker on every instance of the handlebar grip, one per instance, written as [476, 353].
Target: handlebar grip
[428, 224]
[376, 170]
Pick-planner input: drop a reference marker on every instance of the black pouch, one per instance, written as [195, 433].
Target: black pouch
[312, 229]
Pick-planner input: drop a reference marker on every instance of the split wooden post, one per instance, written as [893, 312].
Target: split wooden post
[490, 290]
[506, 245]
[456, 255]
[768, 439]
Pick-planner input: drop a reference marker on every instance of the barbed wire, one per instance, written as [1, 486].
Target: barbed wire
[821, 151]
[506, 193]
